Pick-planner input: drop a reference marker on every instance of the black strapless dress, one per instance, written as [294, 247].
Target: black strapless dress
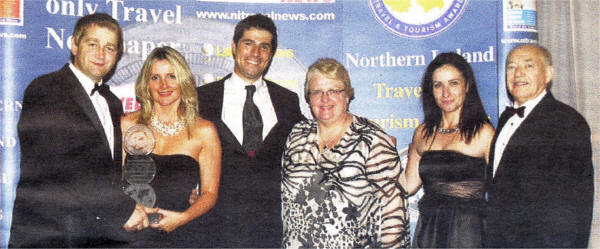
[176, 177]
[451, 210]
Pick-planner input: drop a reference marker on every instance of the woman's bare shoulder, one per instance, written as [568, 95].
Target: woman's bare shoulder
[203, 127]
[483, 139]
[419, 134]
[419, 141]
[486, 133]
[130, 119]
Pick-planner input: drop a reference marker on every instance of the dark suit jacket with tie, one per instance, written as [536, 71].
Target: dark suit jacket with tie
[542, 192]
[69, 193]
[248, 209]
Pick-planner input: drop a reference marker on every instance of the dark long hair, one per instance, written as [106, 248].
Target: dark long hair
[472, 115]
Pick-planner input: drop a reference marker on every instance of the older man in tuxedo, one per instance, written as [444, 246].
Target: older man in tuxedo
[253, 117]
[540, 177]
[69, 193]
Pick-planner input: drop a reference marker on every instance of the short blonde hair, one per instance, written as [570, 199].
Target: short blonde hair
[331, 69]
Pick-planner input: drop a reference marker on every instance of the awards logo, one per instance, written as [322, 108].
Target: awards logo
[417, 19]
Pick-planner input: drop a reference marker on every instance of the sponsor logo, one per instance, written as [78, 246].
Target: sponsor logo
[11, 12]
[417, 19]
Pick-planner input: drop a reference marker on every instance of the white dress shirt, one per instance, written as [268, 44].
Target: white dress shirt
[510, 127]
[100, 105]
[234, 97]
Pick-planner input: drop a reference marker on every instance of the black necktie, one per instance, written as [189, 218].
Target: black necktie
[252, 123]
[102, 89]
[511, 111]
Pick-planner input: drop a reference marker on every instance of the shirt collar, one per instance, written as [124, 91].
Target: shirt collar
[238, 82]
[86, 82]
[530, 104]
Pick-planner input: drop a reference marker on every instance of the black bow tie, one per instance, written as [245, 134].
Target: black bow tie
[100, 88]
[511, 111]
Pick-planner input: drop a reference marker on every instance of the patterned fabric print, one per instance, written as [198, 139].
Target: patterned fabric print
[347, 196]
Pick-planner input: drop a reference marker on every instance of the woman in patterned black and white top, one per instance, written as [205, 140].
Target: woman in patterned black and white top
[340, 172]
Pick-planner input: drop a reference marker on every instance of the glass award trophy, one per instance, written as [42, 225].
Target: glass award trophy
[139, 169]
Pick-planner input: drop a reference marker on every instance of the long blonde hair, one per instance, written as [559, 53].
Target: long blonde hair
[188, 108]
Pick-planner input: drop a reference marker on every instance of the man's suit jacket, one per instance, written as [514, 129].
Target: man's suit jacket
[248, 209]
[69, 193]
[542, 192]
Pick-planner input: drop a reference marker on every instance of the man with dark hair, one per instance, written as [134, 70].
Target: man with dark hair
[69, 193]
[253, 117]
[540, 177]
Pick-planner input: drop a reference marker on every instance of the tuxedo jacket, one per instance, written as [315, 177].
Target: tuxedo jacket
[542, 192]
[248, 209]
[69, 193]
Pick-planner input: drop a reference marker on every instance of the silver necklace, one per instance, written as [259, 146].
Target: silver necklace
[166, 130]
[447, 131]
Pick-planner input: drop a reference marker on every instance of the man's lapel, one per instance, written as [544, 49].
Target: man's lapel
[279, 104]
[501, 122]
[217, 110]
[116, 111]
[219, 92]
[524, 132]
[84, 102]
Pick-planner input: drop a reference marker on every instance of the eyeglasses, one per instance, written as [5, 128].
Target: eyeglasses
[329, 93]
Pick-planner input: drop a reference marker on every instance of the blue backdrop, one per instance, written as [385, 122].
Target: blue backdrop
[386, 46]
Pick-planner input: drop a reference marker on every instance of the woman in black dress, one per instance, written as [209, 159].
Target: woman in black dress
[448, 155]
[187, 153]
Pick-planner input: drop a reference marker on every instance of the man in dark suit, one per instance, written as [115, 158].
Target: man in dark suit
[540, 177]
[69, 193]
[248, 210]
